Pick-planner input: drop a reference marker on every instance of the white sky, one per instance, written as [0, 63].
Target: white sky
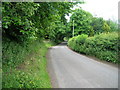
[108, 9]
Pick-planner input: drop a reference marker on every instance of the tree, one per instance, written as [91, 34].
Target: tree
[113, 25]
[97, 24]
[58, 32]
[32, 20]
[105, 27]
[17, 24]
[82, 22]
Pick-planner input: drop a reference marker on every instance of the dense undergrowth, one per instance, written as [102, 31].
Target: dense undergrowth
[24, 65]
[104, 46]
[23, 56]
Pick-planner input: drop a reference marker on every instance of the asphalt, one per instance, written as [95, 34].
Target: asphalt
[68, 69]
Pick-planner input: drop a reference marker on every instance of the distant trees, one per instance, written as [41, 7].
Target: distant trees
[113, 25]
[85, 23]
[97, 24]
[105, 27]
[82, 22]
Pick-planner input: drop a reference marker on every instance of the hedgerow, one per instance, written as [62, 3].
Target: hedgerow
[103, 46]
[24, 65]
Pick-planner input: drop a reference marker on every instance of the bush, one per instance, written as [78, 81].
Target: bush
[76, 43]
[24, 65]
[72, 43]
[103, 46]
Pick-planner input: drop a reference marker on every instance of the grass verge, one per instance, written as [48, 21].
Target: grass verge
[30, 70]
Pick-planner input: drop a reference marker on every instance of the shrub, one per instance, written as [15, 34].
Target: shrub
[103, 46]
[24, 65]
[76, 43]
[72, 43]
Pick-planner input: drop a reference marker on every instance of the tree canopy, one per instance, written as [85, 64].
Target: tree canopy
[32, 20]
[85, 23]
[82, 22]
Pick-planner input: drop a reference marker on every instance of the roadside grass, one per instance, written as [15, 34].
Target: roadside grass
[31, 71]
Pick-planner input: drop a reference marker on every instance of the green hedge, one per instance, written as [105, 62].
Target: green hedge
[104, 46]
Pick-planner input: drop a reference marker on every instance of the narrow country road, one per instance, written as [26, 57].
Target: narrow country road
[69, 69]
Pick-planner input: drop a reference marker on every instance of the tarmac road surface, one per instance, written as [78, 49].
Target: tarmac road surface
[69, 69]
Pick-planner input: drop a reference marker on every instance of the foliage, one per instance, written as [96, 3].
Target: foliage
[77, 41]
[105, 27]
[58, 32]
[29, 20]
[104, 46]
[72, 43]
[31, 73]
[100, 25]
[16, 20]
[24, 24]
[81, 39]
[97, 24]
[85, 23]
[113, 25]
[82, 22]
